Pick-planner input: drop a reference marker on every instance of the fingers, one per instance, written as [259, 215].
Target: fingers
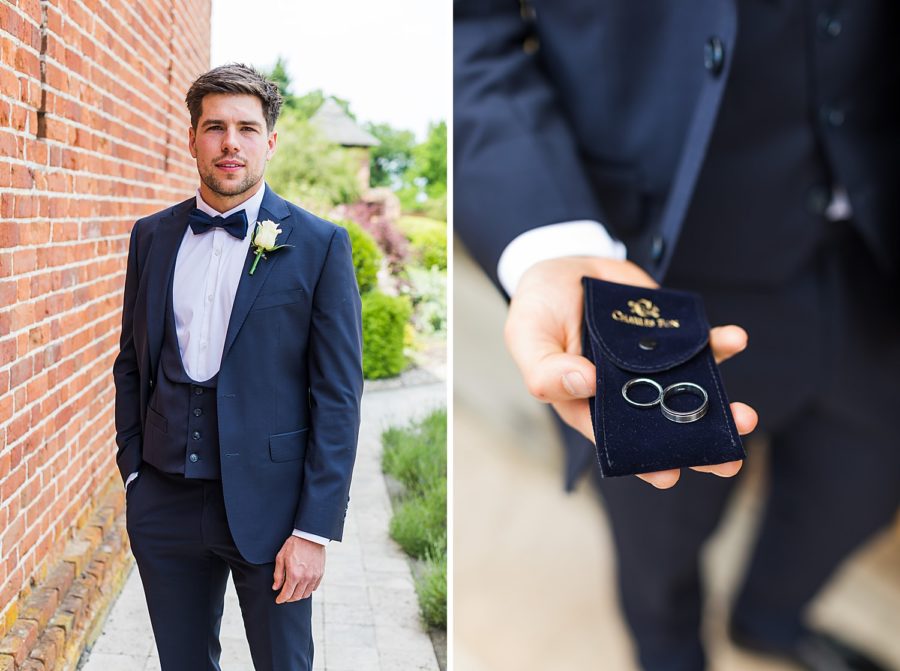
[726, 341]
[279, 572]
[290, 586]
[661, 479]
[550, 372]
[576, 414]
[745, 417]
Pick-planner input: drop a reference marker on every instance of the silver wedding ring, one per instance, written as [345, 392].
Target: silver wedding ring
[667, 393]
[643, 380]
[684, 388]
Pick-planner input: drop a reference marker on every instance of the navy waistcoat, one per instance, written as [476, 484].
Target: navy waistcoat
[182, 431]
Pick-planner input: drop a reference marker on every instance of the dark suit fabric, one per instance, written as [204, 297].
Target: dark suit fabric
[185, 552]
[716, 173]
[229, 467]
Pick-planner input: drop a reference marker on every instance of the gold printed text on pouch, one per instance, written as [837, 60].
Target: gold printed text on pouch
[644, 313]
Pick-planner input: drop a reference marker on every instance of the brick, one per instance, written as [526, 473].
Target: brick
[41, 606]
[20, 639]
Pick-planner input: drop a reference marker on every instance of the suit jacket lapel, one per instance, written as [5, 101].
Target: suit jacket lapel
[274, 209]
[160, 266]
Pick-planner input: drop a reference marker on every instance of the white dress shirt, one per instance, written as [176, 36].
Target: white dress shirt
[207, 272]
[589, 238]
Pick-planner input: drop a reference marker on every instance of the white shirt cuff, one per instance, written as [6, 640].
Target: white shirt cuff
[570, 238]
[321, 540]
[130, 478]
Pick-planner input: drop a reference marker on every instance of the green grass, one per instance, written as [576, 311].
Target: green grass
[431, 587]
[417, 456]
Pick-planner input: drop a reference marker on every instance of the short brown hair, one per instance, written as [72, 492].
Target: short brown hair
[235, 78]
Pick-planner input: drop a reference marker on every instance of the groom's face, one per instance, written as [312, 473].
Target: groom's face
[231, 144]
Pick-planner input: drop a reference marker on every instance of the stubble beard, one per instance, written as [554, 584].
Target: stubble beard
[229, 189]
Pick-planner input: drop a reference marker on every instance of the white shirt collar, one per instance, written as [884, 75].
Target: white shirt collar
[251, 205]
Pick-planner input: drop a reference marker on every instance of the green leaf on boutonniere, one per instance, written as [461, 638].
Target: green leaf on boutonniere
[264, 236]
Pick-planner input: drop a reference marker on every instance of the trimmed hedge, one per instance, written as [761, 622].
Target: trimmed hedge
[383, 323]
[366, 255]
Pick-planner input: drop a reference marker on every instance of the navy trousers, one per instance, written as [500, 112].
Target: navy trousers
[822, 369]
[184, 550]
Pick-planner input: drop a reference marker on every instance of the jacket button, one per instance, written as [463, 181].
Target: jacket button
[196, 435]
[830, 26]
[197, 412]
[194, 458]
[832, 116]
[657, 247]
[714, 55]
[817, 199]
[198, 390]
[151, 384]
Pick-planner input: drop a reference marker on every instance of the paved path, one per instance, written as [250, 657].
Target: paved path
[365, 613]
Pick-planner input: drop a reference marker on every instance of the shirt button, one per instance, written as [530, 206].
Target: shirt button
[197, 412]
[196, 435]
[194, 458]
[714, 55]
[202, 345]
[218, 251]
[209, 297]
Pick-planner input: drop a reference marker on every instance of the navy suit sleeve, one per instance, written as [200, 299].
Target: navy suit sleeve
[336, 383]
[126, 375]
[516, 161]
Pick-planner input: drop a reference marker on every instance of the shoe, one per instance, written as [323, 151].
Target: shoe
[813, 651]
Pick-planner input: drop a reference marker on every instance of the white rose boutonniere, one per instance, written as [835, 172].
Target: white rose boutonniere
[264, 240]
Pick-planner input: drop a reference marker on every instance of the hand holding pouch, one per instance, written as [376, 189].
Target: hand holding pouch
[660, 334]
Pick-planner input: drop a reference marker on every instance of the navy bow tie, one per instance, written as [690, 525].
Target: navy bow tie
[235, 224]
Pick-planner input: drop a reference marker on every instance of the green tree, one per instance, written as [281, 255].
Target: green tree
[431, 160]
[393, 157]
[309, 170]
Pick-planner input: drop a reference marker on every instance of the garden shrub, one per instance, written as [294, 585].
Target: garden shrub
[383, 323]
[366, 256]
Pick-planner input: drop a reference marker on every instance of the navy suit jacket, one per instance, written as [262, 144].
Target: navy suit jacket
[707, 123]
[290, 381]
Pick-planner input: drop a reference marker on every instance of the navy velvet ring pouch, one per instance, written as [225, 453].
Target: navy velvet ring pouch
[661, 338]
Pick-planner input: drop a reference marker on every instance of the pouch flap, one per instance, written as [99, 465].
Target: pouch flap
[644, 330]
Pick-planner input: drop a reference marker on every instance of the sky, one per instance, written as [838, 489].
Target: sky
[389, 58]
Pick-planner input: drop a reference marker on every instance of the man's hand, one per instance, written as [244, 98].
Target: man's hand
[543, 334]
[299, 567]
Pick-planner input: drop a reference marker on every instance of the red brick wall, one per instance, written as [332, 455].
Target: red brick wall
[93, 134]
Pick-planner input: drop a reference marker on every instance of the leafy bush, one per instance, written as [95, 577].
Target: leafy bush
[419, 524]
[417, 456]
[428, 240]
[427, 290]
[366, 256]
[383, 321]
[431, 587]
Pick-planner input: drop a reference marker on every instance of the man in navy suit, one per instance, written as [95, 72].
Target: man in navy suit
[238, 385]
[747, 150]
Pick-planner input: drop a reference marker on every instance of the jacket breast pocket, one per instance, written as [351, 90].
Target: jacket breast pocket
[277, 298]
[288, 446]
